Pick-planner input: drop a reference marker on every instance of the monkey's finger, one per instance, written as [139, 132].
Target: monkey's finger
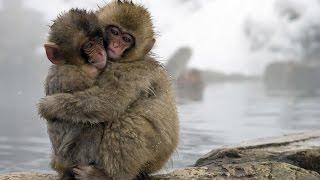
[85, 168]
[78, 177]
[79, 174]
[79, 168]
[77, 171]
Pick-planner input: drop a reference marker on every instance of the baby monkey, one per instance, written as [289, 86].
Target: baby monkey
[76, 48]
[132, 100]
[77, 39]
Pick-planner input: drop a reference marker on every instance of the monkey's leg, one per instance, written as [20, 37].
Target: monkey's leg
[162, 115]
[127, 146]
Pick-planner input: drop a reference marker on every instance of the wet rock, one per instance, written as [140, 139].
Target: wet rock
[28, 176]
[309, 159]
[261, 170]
[295, 156]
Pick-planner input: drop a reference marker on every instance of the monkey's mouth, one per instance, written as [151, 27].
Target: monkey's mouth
[112, 54]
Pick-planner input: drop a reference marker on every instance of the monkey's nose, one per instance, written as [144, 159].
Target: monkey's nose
[116, 44]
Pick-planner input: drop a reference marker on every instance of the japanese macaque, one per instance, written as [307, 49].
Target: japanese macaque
[76, 47]
[132, 99]
[77, 39]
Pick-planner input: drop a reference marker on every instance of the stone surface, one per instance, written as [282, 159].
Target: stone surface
[295, 156]
[252, 170]
[28, 176]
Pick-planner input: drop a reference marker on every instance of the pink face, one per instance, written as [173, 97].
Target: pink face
[119, 41]
[94, 49]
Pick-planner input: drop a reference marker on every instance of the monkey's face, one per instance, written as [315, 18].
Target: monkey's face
[118, 42]
[95, 52]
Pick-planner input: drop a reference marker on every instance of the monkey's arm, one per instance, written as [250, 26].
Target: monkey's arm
[117, 89]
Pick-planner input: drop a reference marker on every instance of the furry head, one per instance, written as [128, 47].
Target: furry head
[136, 20]
[71, 29]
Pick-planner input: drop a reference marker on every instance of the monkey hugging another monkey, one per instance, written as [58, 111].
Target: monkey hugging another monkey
[110, 109]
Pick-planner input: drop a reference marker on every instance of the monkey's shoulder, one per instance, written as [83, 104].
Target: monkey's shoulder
[67, 70]
[143, 67]
[144, 73]
[67, 78]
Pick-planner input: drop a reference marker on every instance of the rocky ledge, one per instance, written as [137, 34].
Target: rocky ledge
[295, 156]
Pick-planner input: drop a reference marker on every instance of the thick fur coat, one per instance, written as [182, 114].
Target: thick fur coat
[131, 107]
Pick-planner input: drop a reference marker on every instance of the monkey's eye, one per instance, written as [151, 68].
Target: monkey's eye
[88, 45]
[99, 39]
[127, 38]
[115, 31]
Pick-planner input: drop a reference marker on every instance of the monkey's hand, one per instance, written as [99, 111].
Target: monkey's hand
[45, 107]
[89, 172]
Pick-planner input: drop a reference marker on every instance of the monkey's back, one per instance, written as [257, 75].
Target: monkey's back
[72, 144]
[146, 134]
[161, 113]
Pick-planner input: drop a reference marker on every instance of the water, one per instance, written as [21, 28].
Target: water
[233, 113]
[230, 113]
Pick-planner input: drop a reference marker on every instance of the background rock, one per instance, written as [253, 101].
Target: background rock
[294, 156]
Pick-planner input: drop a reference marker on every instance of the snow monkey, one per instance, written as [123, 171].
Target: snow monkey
[76, 47]
[132, 101]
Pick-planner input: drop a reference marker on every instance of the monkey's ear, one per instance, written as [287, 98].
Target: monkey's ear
[149, 46]
[52, 51]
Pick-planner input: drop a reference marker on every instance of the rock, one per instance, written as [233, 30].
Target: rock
[309, 159]
[261, 170]
[295, 156]
[28, 176]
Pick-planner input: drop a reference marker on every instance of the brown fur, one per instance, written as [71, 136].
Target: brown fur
[72, 144]
[133, 99]
[133, 18]
[70, 30]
